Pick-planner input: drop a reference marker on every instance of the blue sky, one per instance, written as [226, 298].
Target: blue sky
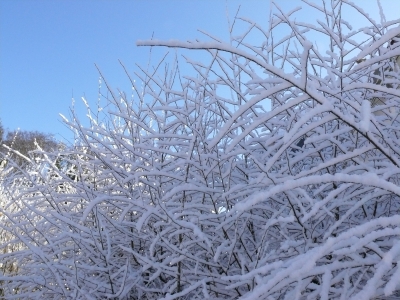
[48, 48]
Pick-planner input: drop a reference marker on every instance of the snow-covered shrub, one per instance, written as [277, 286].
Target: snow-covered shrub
[267, 175]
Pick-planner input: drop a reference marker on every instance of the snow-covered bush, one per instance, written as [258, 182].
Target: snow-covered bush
[272, 173]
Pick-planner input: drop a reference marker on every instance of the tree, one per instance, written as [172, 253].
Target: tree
[17, 147]
[24, 142]
[1, 131]
[1, 139]
[198, 191]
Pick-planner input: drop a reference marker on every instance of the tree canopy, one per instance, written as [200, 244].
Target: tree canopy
[272, 173]
[20, 143]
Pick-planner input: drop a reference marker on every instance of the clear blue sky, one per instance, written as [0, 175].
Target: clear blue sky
[48, 48]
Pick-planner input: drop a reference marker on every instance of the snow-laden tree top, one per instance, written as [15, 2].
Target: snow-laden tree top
[272, 173]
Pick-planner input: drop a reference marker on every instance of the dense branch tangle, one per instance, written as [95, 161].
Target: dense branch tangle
[265, 175]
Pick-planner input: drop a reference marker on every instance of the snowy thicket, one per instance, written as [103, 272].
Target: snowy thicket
[272, 173]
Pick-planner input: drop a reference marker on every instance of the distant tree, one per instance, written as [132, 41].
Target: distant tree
[1, 131]
[1, 141]
[24, 142]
